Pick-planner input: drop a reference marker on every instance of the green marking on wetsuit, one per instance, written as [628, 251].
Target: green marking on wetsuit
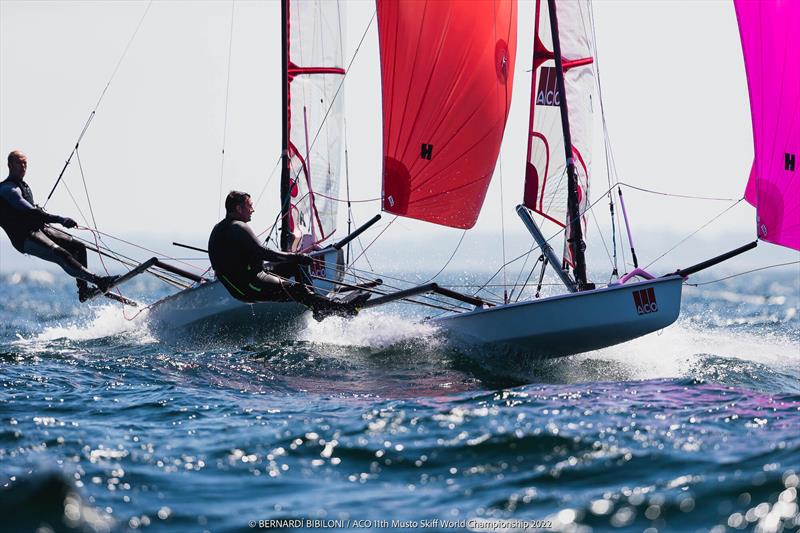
[223, 276]
[254, 287]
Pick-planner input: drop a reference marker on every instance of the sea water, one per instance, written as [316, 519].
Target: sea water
[377, 423]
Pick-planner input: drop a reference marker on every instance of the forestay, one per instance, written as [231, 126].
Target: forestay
[316, 118]
[770, 33]
[447, 70]
[546, 171]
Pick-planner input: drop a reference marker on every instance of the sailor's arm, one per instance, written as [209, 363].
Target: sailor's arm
[15, 200]
[248, 240]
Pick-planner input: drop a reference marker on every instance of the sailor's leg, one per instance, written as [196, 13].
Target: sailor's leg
[73, 246]
[40, 245]
[290, 269]
[266, 287]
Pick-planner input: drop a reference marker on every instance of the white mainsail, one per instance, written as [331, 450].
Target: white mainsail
[316, 118]
[546, 173]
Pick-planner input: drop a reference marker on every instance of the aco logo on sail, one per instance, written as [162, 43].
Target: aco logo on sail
[645, 301]
[547, 93]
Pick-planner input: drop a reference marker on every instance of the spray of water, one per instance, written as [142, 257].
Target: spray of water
[373, 329]
[102, 321]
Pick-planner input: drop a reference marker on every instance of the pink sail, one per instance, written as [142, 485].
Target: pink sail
[770, 33]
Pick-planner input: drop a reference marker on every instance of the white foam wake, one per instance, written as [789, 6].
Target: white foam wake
[677, 349]
[103, 321]
[373, 329]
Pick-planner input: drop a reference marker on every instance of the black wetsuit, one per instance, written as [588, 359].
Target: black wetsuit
[238, 258]
[25, 224]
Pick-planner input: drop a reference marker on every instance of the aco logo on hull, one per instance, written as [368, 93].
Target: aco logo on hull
[318, 267]
[645, 301]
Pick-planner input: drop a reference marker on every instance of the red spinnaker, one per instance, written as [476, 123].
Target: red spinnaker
[447, 68]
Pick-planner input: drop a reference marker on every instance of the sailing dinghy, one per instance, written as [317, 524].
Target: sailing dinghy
[589, 318]
[313, 128]
[446, 189]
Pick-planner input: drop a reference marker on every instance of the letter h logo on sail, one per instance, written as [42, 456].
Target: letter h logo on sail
[645, 301]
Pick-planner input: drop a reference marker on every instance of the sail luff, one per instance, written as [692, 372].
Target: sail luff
[577, 246]
[285, 176]
[547, 176]
[315, 123]
[768, 32]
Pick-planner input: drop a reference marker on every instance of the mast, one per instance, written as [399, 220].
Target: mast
[576, 244]
[285, 175]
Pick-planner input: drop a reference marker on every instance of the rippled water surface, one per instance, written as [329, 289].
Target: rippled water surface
[105, 427]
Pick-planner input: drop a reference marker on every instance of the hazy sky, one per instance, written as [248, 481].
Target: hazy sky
[673, 87]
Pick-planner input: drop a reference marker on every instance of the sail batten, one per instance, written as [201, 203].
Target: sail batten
[447, 73]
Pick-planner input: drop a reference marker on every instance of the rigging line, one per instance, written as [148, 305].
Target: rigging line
[606, 136]
[743, 273]
[503, 230]
[553, 236]
[78, 207]
[269, 179]
[346, 152]
[85, 188]
[677, 195]
[522, 268]
[124, 53]
[225, 120]
[450, 259]
[695, 232]
[143, 248]
[375, 239]
[524, 285]
[130, 262]
[97, 105]
[500, 161]
[602, 239]
[347, 200]
[363, 251]
[451, 308]
[341, 83]
[426, 296]
[91, 211]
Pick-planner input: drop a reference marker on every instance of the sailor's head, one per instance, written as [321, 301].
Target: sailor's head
[17, 164]
[239, 206]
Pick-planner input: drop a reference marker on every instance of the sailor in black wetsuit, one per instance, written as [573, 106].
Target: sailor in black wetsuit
[27, 226]
[238, 258]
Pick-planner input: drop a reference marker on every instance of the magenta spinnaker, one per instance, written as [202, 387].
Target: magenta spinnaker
[770, 34]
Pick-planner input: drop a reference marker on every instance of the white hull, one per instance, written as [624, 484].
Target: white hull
[209, 308]
[570, 323]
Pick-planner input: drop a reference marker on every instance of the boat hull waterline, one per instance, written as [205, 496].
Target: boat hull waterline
[546, 328]
[209, 305]
[572, 323]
